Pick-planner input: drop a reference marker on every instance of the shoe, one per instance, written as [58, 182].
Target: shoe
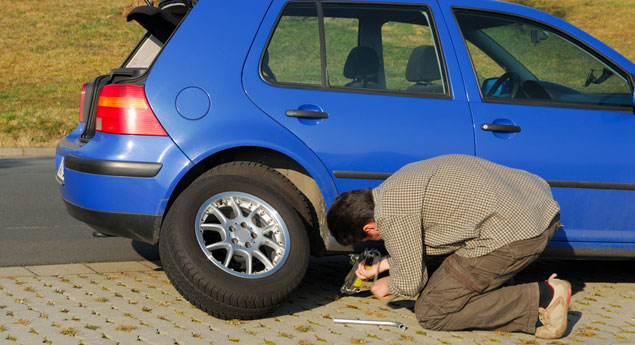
[554, 317]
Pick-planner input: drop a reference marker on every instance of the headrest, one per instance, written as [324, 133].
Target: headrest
[423, 65]
[361, 62]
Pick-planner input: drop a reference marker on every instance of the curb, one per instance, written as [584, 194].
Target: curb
[78, 268]
[27, 152]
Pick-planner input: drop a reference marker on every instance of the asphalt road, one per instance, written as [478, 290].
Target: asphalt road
[35, 228]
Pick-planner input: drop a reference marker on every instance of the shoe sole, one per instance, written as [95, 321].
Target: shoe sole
[563, 329]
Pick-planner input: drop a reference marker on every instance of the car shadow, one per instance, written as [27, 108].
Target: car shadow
[148, 251]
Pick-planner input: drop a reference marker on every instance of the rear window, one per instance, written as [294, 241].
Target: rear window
[160, 23]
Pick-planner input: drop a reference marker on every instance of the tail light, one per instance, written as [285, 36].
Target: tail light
[81, 104]
[124, 109]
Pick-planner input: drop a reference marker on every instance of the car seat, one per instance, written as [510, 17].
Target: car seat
[423, 69]
[362, 65]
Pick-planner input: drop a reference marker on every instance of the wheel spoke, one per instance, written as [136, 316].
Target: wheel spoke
[218, 245]
[213, 227]
[219, 215]
[249, 261]
[254, 212]
[272, 244]
[263, 258]
[269, 228]
[235, 207]
[230, 255]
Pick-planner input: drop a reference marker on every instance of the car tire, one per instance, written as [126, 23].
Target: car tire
[230, 265]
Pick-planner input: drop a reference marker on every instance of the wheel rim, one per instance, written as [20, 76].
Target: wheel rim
[242, 234]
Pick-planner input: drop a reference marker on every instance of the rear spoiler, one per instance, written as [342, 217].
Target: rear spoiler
[161, 21]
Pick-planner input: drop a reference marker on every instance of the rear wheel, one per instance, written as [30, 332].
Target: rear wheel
[233, 244]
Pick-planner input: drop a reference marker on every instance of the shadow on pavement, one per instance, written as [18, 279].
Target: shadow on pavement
[326, 275]
[148, 251]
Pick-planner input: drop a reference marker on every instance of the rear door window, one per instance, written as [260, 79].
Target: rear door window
[293, 55]
[379, 48]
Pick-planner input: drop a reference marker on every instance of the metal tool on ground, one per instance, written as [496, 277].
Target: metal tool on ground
[397, 324]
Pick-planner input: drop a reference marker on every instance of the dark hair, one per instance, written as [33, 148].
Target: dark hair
[349, 213]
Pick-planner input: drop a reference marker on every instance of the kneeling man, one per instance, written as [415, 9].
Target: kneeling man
[493, 220]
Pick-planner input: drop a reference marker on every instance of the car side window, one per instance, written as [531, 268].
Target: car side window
[293, 54]
[383, 48]
[341, 34]
[411, 45]
[485, 67]
[539, 63]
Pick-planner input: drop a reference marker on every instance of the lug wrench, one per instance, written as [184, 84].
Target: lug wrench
[400, 325]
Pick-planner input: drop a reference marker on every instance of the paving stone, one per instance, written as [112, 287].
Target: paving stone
[114, 267]
[153, 265]
[59, 270]
[6, 272]
[141, 307]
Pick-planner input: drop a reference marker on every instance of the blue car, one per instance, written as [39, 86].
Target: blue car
[233, 125]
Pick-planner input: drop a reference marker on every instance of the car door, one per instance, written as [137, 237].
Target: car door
[545, 101]
[364, 85]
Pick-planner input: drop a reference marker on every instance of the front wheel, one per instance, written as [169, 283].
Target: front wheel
[232, 244]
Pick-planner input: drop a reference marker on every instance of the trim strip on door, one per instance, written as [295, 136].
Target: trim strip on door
[553, 183]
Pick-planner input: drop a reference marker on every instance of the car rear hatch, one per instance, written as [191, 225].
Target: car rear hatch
[160, 22]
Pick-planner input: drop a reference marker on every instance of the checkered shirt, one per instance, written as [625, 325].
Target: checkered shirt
[455, 203]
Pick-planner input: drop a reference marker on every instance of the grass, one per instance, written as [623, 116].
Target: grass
[609, 21]
[49, 48]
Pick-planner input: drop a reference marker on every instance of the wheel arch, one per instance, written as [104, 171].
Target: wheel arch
[303, 180]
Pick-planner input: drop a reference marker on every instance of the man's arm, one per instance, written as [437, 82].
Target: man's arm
[403, 238]
[380, 288]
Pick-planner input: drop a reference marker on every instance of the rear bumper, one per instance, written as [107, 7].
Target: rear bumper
[120, 184]
[141, 227]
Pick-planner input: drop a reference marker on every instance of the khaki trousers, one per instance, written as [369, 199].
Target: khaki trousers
[466, 293]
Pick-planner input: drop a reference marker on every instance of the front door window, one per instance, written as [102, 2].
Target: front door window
[537, 63]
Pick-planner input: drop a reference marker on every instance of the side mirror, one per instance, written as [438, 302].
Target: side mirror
[538, 35]
[503, 89]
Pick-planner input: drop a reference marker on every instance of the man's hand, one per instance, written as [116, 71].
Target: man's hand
[364, 273]
[380, 288]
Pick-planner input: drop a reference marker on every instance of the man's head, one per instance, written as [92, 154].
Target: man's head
[351, 216]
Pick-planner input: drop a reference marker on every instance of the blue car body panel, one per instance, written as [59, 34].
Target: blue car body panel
[365, 132]
[210, 69]
[233, 120]
[124, 194]
[562, 144]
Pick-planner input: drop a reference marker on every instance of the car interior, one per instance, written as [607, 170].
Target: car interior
[539, 63]
[375, 61]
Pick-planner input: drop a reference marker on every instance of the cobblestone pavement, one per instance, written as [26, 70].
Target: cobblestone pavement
[133, 303]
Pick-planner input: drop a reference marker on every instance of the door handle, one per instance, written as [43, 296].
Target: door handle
[494, 127]
[307, 114]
